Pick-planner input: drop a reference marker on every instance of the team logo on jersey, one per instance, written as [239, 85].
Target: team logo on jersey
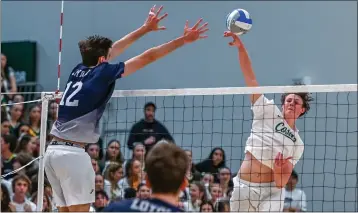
[280, 128]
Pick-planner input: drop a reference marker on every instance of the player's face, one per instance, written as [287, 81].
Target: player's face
[21, 187]
[194, 192]
[207, 208]
[149, 113]
[16, 111]
[99, 182]
[293, 106]
[144, 192]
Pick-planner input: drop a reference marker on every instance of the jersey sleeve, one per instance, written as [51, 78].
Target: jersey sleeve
[297, 154]
[112, 72]
[263, 108]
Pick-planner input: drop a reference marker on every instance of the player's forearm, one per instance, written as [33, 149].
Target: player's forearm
[160, 51]
[246, 67]
[282, 175]
[119, 46]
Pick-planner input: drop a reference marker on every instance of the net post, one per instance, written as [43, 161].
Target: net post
[45, 97]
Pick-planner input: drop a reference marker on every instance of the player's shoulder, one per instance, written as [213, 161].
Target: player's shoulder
[141, 205]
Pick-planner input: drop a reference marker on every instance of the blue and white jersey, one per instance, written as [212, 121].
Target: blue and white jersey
[141, 205]
[87, 92]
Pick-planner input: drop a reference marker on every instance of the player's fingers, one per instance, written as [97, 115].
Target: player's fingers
[162, 28]
[197, 23]
[203, 36]
[289, 158]
[186, 24]
[162, 17]
[203, 26]
[159, 10]
[204, 30]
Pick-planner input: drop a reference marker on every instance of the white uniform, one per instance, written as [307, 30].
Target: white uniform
[270, 134]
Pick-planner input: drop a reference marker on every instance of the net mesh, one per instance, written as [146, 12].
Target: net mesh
[202, 119]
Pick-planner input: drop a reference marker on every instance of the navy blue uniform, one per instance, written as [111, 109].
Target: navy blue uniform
[139, 205]
[87, 92]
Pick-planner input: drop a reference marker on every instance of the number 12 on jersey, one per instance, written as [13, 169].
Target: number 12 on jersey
[67, 98]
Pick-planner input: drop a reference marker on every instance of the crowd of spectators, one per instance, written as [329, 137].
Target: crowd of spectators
[116, 178]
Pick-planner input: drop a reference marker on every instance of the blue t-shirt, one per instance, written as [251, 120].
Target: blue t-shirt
[87, 92]
[141, 205]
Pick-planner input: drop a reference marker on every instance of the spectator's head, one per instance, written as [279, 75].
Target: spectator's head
[95, 165]
[22, 159]
[21, 184]
[143, 191]
[93, 150]
[34, 114]
[170, 161]
[22, 129]
[3, 61]
[208, 179]
[114, 152]
[101, 199]
[197, 191]
[133, 168]
[206, 206]
[139, 152]
[222, 206]
[5, 126]
[52, 111]
[46, 205]
[224, 175]
[215, 191]
[94, 50]
[217, 156]
[114, 172]
[292, 182]
[26, 144]
[149, 111]
[18, 98]
[16, 112]
[189, 153]
[99, 182]
[8, 143]
[129, 193]
[5, 198]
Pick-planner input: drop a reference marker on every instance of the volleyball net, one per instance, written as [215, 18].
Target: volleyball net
[200, 119]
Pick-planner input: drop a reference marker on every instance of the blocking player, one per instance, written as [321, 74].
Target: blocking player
[89, 88]
[169, 160]
[273, 147]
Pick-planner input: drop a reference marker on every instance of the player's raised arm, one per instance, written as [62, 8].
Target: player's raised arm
[245, 64]
[190, 35]
[150, 24]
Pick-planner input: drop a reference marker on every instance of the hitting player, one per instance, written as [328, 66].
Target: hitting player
[89, 88]
[172, 162]
[273, 147]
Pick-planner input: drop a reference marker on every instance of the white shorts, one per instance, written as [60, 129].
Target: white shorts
[248, 196]
[71, 175]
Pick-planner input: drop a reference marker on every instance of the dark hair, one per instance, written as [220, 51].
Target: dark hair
[221, 204]
[294, 174]
[140, 186]
[11, 140]
[223, 162]
[101, 192]
[305, 96]
[129, 193]
[23, 141]
[169, 160]
[150, 104]
[94, 47]
[5, 199]
[205, 202]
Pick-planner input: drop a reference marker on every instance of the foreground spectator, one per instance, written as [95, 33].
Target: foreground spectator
[21, 186]
[295, 199]
[148, 131]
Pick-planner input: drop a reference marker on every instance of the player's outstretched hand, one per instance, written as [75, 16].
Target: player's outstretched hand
[280, 161]
[195, 33]
[152, 22]
[236, 42]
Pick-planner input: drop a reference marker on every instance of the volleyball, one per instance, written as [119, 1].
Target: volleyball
[239, 21]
